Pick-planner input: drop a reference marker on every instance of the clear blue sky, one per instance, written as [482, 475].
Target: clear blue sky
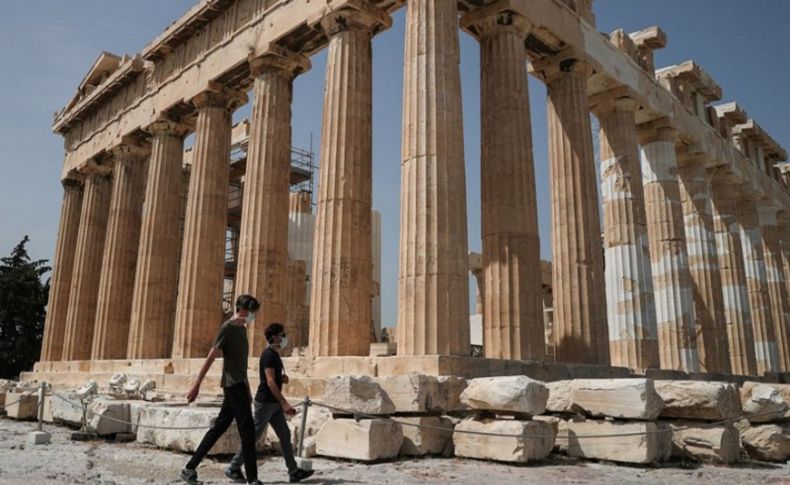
[46, 47]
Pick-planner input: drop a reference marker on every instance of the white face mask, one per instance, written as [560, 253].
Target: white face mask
[249, 318]
[283, 342]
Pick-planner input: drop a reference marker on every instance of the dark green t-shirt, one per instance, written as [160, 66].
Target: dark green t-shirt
[232, 341]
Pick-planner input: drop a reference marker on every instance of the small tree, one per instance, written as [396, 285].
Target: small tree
[23, 301]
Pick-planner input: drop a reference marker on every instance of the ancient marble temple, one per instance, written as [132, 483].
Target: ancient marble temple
[684, 265]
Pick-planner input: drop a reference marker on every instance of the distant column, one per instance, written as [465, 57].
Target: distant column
[671, 276]
[116, 285]
[342, 275]
[156, 275]
[765, 349]
[695, 194]
[263, 239]
[199, 308]
[62, 270]
[778, 290]
[737, 310]
[513, 308]
[580, 327]
[633, 338]
[433, 287]
[78, 336]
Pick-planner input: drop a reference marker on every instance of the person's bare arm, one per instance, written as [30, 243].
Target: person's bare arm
[272, 383]
[195, 390]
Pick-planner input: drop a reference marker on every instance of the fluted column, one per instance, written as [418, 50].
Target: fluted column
[784, 227]
[513, 308]
[156, 275]
[580, 327]
[81, 315]
[433, 291]
[62, 270]
[116, 285]
[671, 276]
[777, 286]
[695, 194]
[340, 303]
[735, 293]
[199, 308]
[263, 237]
[765, 349]
[633, 338]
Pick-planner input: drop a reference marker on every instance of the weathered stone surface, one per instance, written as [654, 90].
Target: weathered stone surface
[425, 441]
[67, 411]
[365, 440]
[765, 402]
[423, 393]
[21, 405]
[699, 399]
[641, 449]
[719, 444]
[518, 394]
[186, 440]
[358, 393]
[531, 440]
[316, 418]
[105, 416]
[560, 396]
[769, 442]
[617, 398]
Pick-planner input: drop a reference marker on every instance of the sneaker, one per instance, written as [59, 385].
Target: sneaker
[256, 482]
[235, 475]
[300, 475]
[190, 476]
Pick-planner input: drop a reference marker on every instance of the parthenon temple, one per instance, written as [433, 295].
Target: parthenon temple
[675, 261]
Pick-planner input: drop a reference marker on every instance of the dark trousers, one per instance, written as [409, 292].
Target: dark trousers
[265, 413]
[235, 405]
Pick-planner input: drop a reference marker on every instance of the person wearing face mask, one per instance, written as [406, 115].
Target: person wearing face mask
[271, 406]
[232, 342]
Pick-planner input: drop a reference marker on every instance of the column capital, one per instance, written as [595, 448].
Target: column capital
[616, 99]
[567, 62]
[93, 169]
[279, 59]
[73, 179]
[353, 14]
[692, 155]
[494, 18]
[783, 219]
[129, 153]
[768, 214]
[218, 96]
[657, 131]
[164, 126]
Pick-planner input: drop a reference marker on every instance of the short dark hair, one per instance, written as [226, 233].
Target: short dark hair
[273, 330]
[247, 302]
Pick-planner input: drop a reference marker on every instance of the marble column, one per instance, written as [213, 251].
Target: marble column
[116, 284]
[580, 327]
[765, 348]
[342, 274]
[199, 307]
[62, 270]
[433, 286]
[263, 237]
[695, 195]
[513, 308]
[735, 293]
[672, 284]
[784, 226]
[633, 338]
[156, 275]
[81, 315]
[777, 285]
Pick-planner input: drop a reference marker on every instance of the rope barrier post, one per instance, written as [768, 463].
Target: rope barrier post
[40, 437]
[301, 461]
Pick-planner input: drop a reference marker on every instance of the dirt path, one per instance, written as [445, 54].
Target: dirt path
[105, 463]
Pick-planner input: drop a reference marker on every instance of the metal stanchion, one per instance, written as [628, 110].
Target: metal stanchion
[301, 461]
[40, 437]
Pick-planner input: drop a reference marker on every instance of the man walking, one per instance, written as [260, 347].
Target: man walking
[232, 342]
[271, 406]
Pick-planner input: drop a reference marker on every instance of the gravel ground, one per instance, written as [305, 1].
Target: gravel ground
[107, 463]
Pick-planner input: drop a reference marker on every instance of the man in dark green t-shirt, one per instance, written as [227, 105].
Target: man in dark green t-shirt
[232, 342]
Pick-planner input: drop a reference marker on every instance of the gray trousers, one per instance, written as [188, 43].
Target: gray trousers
[266, 413]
